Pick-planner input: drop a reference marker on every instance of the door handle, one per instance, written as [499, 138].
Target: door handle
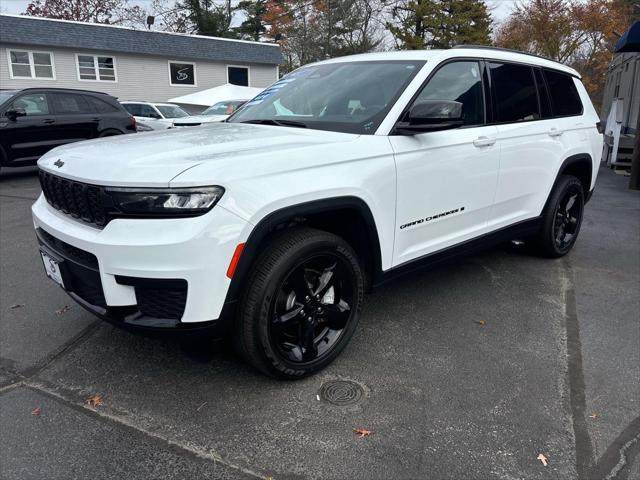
[554, 132]
[484, 141]
[48, 120]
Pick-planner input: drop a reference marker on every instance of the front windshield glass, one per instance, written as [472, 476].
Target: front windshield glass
[171, 111]
[6, 95]
[223, 108]
[351, 97]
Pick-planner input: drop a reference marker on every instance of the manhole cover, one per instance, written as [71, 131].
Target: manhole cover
[341, 392]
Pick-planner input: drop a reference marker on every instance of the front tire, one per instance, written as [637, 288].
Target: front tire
[561, 219]
[302, 304]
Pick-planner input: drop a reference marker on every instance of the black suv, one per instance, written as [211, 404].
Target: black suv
[35, 120]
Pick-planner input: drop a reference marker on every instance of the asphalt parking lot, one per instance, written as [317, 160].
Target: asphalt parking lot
[470, 370]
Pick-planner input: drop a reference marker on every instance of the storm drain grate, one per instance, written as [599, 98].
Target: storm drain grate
[341, 392]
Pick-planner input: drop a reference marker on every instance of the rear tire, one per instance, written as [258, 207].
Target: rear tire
[561, 218]
[301, 305]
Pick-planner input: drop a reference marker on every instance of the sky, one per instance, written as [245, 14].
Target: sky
[499, 8]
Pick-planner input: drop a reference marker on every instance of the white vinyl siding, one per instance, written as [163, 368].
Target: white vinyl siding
[139, 77]
[96, 68]
[30, 64]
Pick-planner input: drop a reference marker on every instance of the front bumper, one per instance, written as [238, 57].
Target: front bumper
[149, 273]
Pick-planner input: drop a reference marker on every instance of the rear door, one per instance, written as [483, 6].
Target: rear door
[75, 116]
[28, 137]
[446, 180]
[530, 144]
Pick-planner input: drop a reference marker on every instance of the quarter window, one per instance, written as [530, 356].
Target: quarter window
[515, 92]
[565, 99]
[238, 76]
[97, 68]
[460, 82]
[28, 64]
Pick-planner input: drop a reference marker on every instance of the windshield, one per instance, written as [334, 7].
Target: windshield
[6, 95]
[223, 108]
[351, 97]
[171, 111]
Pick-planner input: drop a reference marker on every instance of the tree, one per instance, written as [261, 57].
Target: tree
[311, 31]
[96, 11]
[418, 24]
[210, 18]
[578, 33]
[253, 25]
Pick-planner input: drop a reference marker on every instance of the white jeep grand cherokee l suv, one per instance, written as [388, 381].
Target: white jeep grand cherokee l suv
[339, 176]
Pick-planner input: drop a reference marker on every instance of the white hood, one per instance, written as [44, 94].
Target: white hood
[199, 119]
[153, 159]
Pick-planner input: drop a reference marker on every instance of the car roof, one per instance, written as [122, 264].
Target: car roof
[141, 102]
[59, 89]
[462, 51]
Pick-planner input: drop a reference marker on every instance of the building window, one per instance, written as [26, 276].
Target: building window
[181, 73]
[96, 68]
[29, 64]
[238, 76]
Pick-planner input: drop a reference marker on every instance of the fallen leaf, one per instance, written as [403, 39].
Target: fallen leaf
[35, 412]
[17, 305]
[63, 310]
[361, 432]
[94, 401]
[481, 322]
[593, 415]
[542, 459]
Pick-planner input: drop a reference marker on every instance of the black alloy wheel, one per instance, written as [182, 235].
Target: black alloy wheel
[301, 304]
[312, 308]
[561, 218]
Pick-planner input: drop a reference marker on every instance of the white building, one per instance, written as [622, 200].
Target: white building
[129, 64]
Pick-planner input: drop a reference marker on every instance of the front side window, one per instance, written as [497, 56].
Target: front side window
[459, 82]
[133, 108]
[238, 76]
[148, 111]
[71, 104]
[565, 99]
[32, 104]
[96, 68]
[514, 90]
[28, 64]
[182, 73]
[352, 97]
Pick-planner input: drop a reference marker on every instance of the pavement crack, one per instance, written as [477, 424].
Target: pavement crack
[123, 422]
[585, 458]
[616, 461]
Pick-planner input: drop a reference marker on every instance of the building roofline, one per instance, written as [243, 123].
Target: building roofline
[106, 25]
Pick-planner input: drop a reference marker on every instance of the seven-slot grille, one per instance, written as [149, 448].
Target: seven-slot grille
[77, 199]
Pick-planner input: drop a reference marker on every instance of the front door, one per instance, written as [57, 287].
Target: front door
[446, 180]
[27, 137]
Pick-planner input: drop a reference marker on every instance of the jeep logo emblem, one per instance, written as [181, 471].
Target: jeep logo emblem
[58, 163]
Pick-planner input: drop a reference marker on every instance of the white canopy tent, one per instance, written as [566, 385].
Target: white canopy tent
[208, 97]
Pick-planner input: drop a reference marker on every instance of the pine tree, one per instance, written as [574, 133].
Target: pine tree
[418, 24]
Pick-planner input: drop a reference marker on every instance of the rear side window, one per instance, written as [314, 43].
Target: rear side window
[71, 104]
[101, 106]
[514, 90]
[564, 95]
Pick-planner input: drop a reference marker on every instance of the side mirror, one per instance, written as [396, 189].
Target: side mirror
[156, 115]
[431, 115]
[14, 113]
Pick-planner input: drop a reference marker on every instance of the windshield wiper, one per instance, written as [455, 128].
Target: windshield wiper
[278, 123]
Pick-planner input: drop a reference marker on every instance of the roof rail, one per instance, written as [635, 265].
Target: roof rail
[502, 49]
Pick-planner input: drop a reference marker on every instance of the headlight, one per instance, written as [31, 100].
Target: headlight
[165, 202]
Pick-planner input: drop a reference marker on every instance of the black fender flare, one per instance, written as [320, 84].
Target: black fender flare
[579, 158]
[266, 226]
